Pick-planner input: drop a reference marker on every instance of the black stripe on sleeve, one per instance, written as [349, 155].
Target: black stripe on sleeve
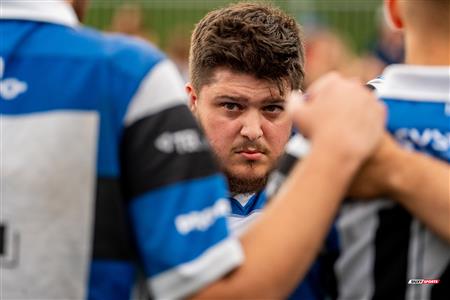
[328, 276]
[391, 253]
[278, 176]
[163, 149]
[112, 235]
[287, 162]
[328, 257]
[2, 239]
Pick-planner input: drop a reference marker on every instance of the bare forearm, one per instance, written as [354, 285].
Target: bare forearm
[422, 185]
[313, 192]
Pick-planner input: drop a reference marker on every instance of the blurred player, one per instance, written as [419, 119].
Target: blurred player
[385, 243]
[100, 154]
[96, 137]
[418, 98]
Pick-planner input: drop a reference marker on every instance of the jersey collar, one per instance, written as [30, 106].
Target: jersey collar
[49, 11]
[414, 82]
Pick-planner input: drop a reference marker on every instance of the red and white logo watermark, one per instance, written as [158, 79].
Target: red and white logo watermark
[424, 281]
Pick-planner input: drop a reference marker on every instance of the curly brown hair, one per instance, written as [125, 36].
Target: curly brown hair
[251, 38]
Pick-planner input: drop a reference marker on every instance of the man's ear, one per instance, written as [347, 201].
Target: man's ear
[192, 97]
[393, 14]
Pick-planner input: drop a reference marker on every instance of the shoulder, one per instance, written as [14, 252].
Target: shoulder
[127, 54]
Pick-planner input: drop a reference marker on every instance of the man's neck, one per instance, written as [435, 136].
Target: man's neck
[429, 51]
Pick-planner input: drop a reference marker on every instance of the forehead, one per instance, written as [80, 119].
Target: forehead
[239, 85]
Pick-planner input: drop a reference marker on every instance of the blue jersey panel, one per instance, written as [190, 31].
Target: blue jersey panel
[43, 73]
[423, 126]
[111, 280]
[310, 288]
[174, 231]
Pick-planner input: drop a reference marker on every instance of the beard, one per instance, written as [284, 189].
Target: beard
[245, 185]
[242, 184]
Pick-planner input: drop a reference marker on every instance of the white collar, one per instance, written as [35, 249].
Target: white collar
[50, 11]
[414, 82]
[243, 198]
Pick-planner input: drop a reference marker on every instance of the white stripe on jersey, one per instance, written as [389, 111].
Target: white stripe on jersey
[356, 225]
[55, 187]
[191, 276]
[58, 12]
[162, 88]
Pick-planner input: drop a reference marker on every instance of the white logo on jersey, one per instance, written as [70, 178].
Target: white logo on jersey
[202, 220]
[184, 141]
[10, 88]
[437, 140]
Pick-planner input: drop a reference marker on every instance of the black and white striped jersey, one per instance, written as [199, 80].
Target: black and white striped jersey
[381, 246]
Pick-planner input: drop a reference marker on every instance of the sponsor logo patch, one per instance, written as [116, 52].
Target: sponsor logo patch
[202, 220]
[423, 281]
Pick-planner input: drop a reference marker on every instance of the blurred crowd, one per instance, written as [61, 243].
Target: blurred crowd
[326, 49]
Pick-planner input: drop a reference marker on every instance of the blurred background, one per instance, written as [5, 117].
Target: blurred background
[350, 36]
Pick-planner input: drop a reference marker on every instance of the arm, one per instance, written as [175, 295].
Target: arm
[281, 245]
[416, 181]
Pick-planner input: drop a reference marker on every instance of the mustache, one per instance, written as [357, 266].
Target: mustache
[253, 145]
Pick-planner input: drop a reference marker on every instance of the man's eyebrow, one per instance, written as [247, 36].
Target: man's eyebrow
[230, 98]
[266, 101]
[274, 100]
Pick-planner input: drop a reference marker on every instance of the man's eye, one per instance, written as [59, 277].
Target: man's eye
[231, 106]
[273, 108]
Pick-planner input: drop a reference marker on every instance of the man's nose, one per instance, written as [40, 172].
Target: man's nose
[251, 126]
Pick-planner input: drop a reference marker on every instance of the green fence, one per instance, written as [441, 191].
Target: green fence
[161, 20]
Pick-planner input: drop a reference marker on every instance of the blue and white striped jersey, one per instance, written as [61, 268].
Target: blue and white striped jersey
[381, 246]
[103, 169]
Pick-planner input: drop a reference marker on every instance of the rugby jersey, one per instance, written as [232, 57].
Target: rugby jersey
[381, 246]
[104, 170]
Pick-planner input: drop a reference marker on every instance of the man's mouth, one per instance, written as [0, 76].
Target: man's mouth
[251, 153]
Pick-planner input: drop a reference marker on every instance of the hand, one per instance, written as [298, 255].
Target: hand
[341, 115]
[374, 178]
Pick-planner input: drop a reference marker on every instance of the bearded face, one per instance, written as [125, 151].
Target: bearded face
[245, 121]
